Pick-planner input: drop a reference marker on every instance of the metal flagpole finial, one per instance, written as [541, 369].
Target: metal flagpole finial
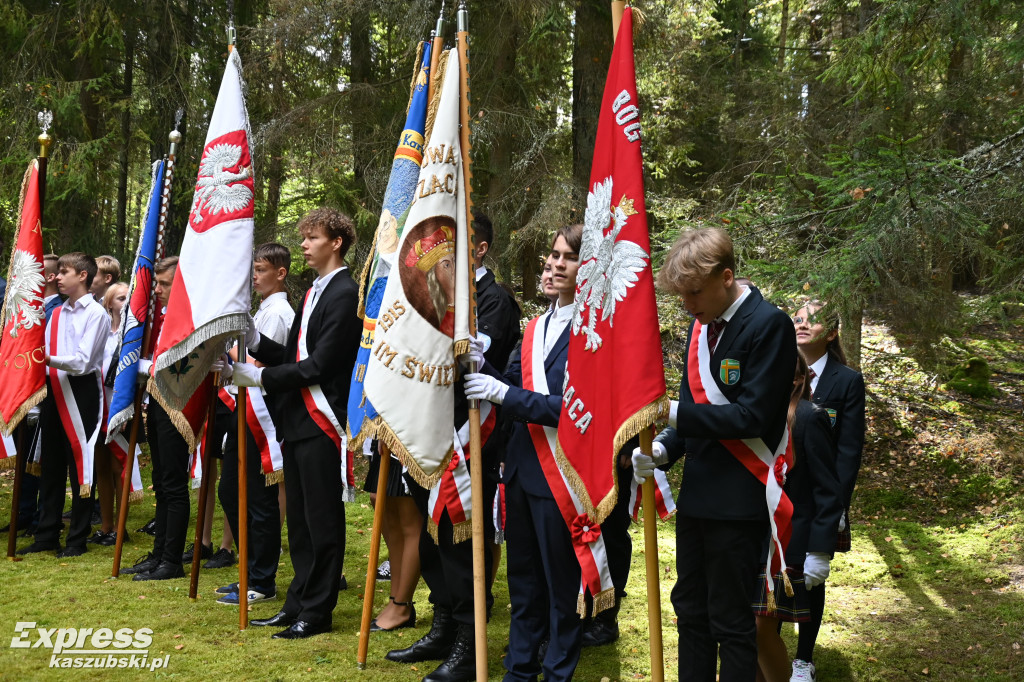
[439, 30]
[45, 120]
[462, 17]
[175, 135]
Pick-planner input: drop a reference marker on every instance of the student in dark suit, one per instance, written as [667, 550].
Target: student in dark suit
[813, 487]
[307, 382]
[543, 572]
[840, 391]
[743, 359]
[447, 566]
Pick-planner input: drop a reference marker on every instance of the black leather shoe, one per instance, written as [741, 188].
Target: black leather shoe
[600, 632]
[342, 583]
[22, 525]
[436, 645]
[39, 547]
[149, 528]
[143, 565]
[70, 552]
[206, 553]
[279, 620]
[460, 666]
[409, 622]
[222, 558]
[165, 571]
[302, 629]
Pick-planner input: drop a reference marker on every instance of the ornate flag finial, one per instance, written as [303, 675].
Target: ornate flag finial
[45, 120]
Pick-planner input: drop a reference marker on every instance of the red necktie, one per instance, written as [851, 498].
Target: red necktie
[715, 328]
[810, 379]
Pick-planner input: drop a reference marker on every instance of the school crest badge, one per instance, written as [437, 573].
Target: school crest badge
[831, 415]
[729, 372]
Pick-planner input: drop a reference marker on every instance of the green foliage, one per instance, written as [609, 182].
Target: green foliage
[973, 378]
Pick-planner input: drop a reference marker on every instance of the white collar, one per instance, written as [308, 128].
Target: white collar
[819, 365]
[731, 310]
[480, 272]
[50, 298]
[321, 282]
[265, 303]
[561, 313]
[80, 303]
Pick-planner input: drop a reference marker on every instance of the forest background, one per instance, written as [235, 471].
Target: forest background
[867, 152]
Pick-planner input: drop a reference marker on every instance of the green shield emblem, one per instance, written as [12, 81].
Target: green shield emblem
[831, 415]
[729, 372]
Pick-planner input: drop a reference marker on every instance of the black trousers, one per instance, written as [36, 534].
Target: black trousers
[28, 500]
[316, 527]
[263, 511]
[57, 467]
[447, 567]
[170, 456]
[715, 562]
[543, 586]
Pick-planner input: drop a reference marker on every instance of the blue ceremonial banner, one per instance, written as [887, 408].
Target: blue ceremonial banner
[136, 311]
[405, 172]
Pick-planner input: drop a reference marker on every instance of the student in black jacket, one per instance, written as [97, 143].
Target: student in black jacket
[307, 383]
[813, 487]
[740, 353]
[840, 391]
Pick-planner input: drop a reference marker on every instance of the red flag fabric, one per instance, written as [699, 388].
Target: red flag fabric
[22, 346]
[615, 380]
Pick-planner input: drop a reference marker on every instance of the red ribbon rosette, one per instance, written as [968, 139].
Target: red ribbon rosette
[781, 467]
[584, 530]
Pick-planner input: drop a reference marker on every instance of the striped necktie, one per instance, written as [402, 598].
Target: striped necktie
[715, 328]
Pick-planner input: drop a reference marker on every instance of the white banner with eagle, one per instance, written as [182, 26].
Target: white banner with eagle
[424, 313]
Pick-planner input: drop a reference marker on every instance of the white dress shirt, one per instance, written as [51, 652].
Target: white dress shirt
[84, 329]
[818, 367]
[556, 322]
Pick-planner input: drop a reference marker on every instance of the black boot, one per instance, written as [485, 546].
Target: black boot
[460, 666]
[603, 628]
[433, 646]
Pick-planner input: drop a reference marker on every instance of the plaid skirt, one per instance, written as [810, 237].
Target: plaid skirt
[843, 539]
[793, 609]
[396, 484]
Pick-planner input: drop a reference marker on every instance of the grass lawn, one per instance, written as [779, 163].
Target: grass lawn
[933, 589]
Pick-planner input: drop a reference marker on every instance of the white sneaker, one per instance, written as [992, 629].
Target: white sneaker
[802, 671]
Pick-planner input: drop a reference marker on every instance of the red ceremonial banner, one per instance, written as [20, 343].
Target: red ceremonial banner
[615, 379]
[22, 346]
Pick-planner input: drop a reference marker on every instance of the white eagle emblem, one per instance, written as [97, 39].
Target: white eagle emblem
[608, 268]
[24, 300]
[212, 188]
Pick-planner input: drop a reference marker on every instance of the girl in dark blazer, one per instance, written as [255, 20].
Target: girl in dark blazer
[840, 391]
[813, 487]
[543, 572]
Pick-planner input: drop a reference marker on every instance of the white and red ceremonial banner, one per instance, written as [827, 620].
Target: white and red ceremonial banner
[212, 292]
[615, 379]
[119, 447]
[424, 314]
[261, 425]
[22, 346]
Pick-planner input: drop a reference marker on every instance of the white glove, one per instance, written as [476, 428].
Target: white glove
[842, 522]
[644, 465]
[816, 568]
[474, 357]
[243, 374]
[485, 387]
[673, 408]
[252, 337]
[223, 366]
[144, 366]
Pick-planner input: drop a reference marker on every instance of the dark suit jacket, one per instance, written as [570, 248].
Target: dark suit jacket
[842, 389]
[524, 406]
[52, 305]
[761, 339]
[498, 316]
[332, 339]
[813, 485]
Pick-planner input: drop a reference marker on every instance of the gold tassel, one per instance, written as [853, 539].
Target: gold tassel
[34, 469]
[581, 606]
[273, 477]
[638, 20]
[771, 602]
[432, 531]
[787, 583]
[462, 531]
[135, 496]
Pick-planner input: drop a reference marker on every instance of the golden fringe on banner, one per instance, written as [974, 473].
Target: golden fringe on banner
[176, 416]
[7, 463]
[273, 477]
[643, 418]
[388, 437]
[438, 78]
[368, 429]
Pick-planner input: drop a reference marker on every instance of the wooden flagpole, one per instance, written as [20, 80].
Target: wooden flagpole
[650, 510]
[133, 435]
[19, 456]
[436, 45]
[205, 487]
[475, 454]
[371, 563]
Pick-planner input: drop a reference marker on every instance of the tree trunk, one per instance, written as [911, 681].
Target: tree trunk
[591, 53]
[783, 29]
[361, 74]
[121, 247]
[851, 317]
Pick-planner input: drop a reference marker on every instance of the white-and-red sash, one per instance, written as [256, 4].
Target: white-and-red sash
[663, 500]
[8, 452]
[453, 492]
[195, 464]
[83, 445]
[587, 540]
[321, 413]
[498, 514]
[257, 418]
[764, 463]
[118, 445]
